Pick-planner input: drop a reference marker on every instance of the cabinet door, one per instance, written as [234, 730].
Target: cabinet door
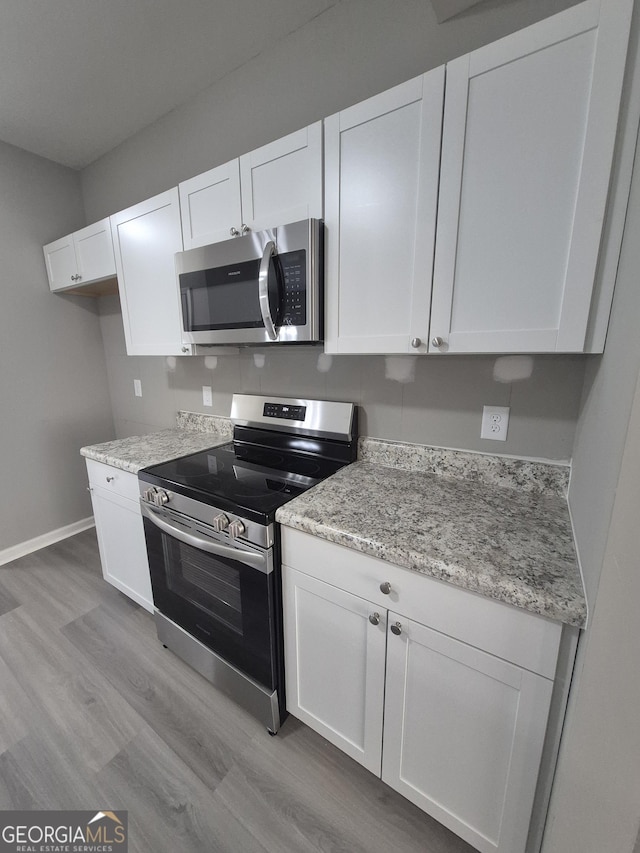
[145, 240]
[334, 664]
[94, 252]
[210, 206]
[121, 542]
[463, 735]
[60, 260]
[282, 182]
[528, 138]
[381, 186]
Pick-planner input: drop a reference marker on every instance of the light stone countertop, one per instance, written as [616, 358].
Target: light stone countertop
[194, 433]
[501, 541]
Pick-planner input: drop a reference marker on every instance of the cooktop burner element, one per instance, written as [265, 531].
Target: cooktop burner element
[273, 457]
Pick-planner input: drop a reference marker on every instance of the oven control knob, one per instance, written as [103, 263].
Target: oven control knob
[220, 522]
[236, 528]
[156, 496]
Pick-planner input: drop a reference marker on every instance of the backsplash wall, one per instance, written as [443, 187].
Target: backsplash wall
[426, 400]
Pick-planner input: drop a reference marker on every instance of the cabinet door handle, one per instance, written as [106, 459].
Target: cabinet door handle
[234, 232]
[396, 629]
[110, 479]
[385, 588]
[416, 342]
[374, 618]
[437, 341]
[245, 229]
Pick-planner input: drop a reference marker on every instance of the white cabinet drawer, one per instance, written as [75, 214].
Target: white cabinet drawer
[122, 483]
[528, 640]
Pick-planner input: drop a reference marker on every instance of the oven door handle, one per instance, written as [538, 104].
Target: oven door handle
[248, 558]
[263, 290]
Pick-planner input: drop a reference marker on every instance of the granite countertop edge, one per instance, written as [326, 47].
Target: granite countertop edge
[139, 451]
[561, 600]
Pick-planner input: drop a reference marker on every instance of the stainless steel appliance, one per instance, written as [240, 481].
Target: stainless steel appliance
[262, 288]
[214, 546]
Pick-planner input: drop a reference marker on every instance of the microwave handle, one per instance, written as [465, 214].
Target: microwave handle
[263, 290]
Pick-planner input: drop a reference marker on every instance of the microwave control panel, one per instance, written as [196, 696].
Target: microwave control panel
[294, 275]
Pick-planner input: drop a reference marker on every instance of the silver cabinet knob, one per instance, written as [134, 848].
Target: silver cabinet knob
[185, 349]
[110, 479]
[245, 229]
[385, 588]
[234, 232]
[220, 522]
[236, 528]
[374, 618]
[396, 629]
[437, 341]
[76, 277]
[416, 342]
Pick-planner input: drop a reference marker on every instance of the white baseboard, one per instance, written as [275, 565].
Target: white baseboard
[16, 551]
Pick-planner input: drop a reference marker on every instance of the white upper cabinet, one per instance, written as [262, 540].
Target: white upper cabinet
[528, 139]
[210, 206]
[81, 258]
[278, 183]
[145, 239]
[381, 190]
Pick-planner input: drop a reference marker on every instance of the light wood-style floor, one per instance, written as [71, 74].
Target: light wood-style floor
[96, 714]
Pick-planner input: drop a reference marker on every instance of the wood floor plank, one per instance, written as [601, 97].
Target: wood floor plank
[95, 713]
[37, 773]
[55, 587]
[76, 707]
[201, 725]
[8, 602]
[308, 795]
[14, 708]
[170, 808]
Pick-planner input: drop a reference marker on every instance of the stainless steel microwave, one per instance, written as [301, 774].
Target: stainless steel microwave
[262, 288]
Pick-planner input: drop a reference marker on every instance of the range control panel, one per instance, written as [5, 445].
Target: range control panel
[294, 273]
[279, 410]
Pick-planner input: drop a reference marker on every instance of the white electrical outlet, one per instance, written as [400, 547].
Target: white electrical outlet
[207, 398]
[137, 387]
[495, 422]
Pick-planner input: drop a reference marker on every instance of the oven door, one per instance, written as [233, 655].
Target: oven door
[222, 593]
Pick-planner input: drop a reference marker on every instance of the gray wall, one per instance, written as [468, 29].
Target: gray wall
[354, 50]
[440, 405]
[596, 799]
[53, 383]
[610, 379]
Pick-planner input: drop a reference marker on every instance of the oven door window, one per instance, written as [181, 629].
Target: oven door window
[224, 603]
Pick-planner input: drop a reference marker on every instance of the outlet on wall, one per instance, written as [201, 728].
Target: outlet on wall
[495, 422]
[207, 398]
[137, 387]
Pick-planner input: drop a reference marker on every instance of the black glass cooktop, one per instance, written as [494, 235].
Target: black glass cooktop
[252, 482]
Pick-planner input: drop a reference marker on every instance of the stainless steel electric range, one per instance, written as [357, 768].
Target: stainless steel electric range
[214, 545]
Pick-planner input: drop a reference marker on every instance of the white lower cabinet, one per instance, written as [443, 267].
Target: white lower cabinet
[335, 665]
[450, 714]
[120, 531]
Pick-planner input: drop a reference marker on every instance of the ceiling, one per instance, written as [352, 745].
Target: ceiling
[77, 77]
